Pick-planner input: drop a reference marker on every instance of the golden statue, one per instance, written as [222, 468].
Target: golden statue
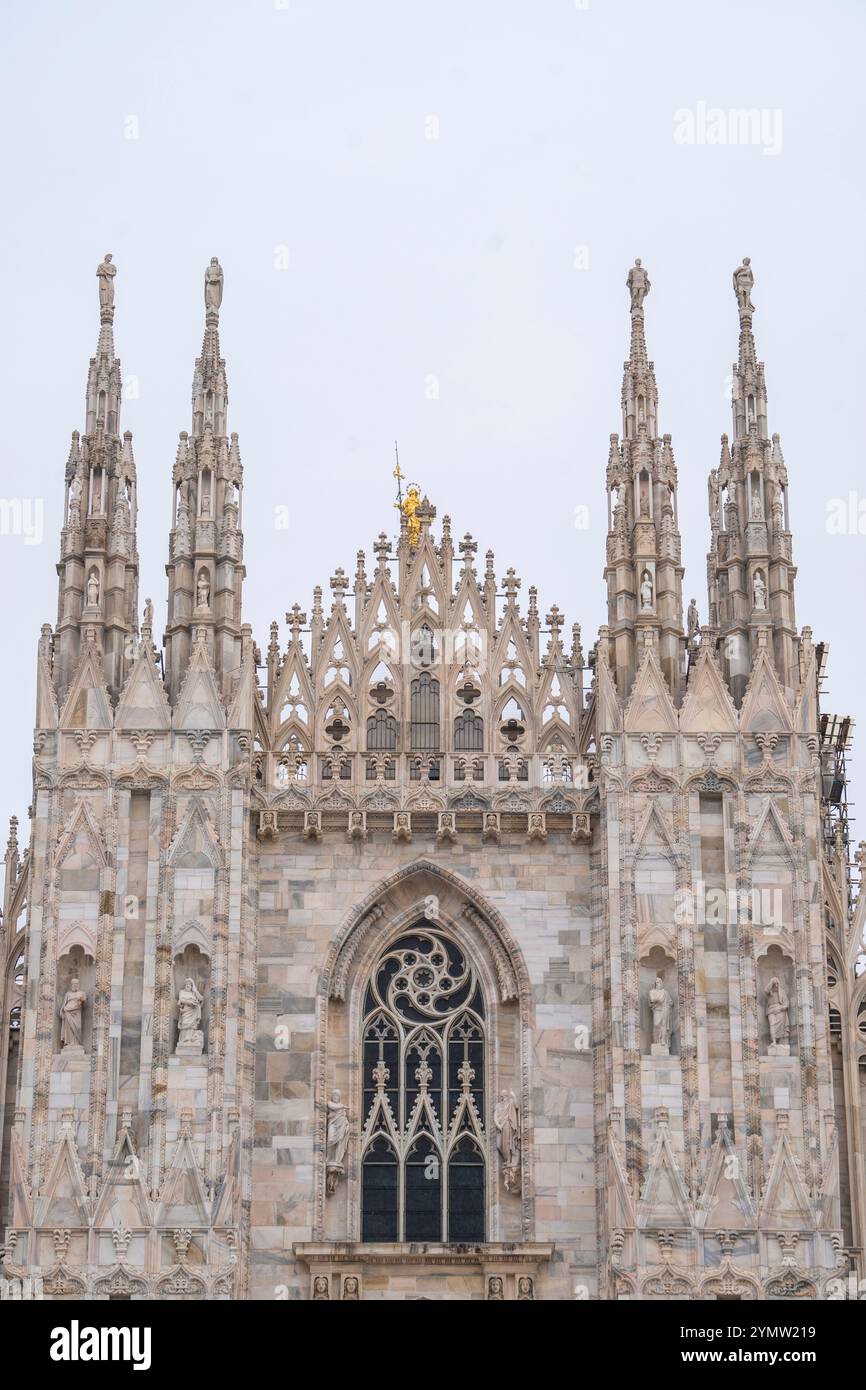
[409, 507]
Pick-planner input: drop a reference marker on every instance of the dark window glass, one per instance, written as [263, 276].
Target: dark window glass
[380, 1214]
[423, 1192]
[466, 1193]
[381, 731]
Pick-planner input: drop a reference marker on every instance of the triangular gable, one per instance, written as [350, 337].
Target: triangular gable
[21, 1215]
[609, 716]
[708, 707]
[183, 1200]
[87, 705]
[425, 555]
[770, 834]
[650, 708]
[82, 833]
[63, 1199]
[786, 1201]
[725, 1203]
[653, 833]
[620, 1204]
[664, 1200]
[338, 630]
[227, 1188]
[47, 713]
[143, 703]
[123, 1200]
[764, 708]
[806, 708]
[828, 1196]
[196, 835]
[241, 714]
[199, 705]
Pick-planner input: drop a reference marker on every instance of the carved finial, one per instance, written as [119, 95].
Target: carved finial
[339, 584]
[467, 548]
[296, 620]
[12, 842]
[382, 549]
[510, 584]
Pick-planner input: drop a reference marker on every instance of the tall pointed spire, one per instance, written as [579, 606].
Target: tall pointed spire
[644, 571]
[749, 567]
[98, 569]
[205, 567]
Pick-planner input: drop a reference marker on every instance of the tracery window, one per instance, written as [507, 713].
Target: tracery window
[424, 713]
[423, 1151]
[381, 730]
[468, 732]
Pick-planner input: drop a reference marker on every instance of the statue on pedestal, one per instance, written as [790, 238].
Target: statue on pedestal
[189, 1003]
[336, 1141]
[638, 283]
[506, 1117]
[71, 1016]
[105, 273]
[662, 1006]
[776, 1001]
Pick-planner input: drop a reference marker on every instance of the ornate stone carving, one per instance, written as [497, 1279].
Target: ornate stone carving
[71, 1016]
[506, 1117]
[337, 1140]
[190, 1038]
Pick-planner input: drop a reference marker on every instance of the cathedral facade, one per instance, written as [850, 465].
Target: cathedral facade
[425, 955]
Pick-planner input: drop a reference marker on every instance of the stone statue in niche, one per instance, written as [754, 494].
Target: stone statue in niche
[92, 589]
[495, 1290]
[71, 1017]
[759, 590]
[190, 1038]
[202, 592]
[776, 1003]
[351, 1288]
[506, 1117]
[321, 1292]
[525, 1290]
[757, 513]
[662, 1006]
[337, 1140]
[646, 592]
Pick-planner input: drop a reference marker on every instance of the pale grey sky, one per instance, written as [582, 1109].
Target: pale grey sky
[308, 126]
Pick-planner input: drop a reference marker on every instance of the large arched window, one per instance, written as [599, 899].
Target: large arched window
[423, 1143]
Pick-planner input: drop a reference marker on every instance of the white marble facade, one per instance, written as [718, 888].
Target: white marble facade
[423, 956]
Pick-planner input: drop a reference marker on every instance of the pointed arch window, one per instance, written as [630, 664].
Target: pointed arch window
[424, 713]
[468, 732]
[424, 1146]
[381, 731]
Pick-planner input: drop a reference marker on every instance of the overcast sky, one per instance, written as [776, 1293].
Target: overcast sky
[425, 214]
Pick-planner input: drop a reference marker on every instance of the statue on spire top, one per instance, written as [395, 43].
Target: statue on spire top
[639, 286]
[105, 273]
[743, 282]
[213, 286]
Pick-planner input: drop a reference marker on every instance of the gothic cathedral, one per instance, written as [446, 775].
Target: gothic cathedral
[427, 956]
